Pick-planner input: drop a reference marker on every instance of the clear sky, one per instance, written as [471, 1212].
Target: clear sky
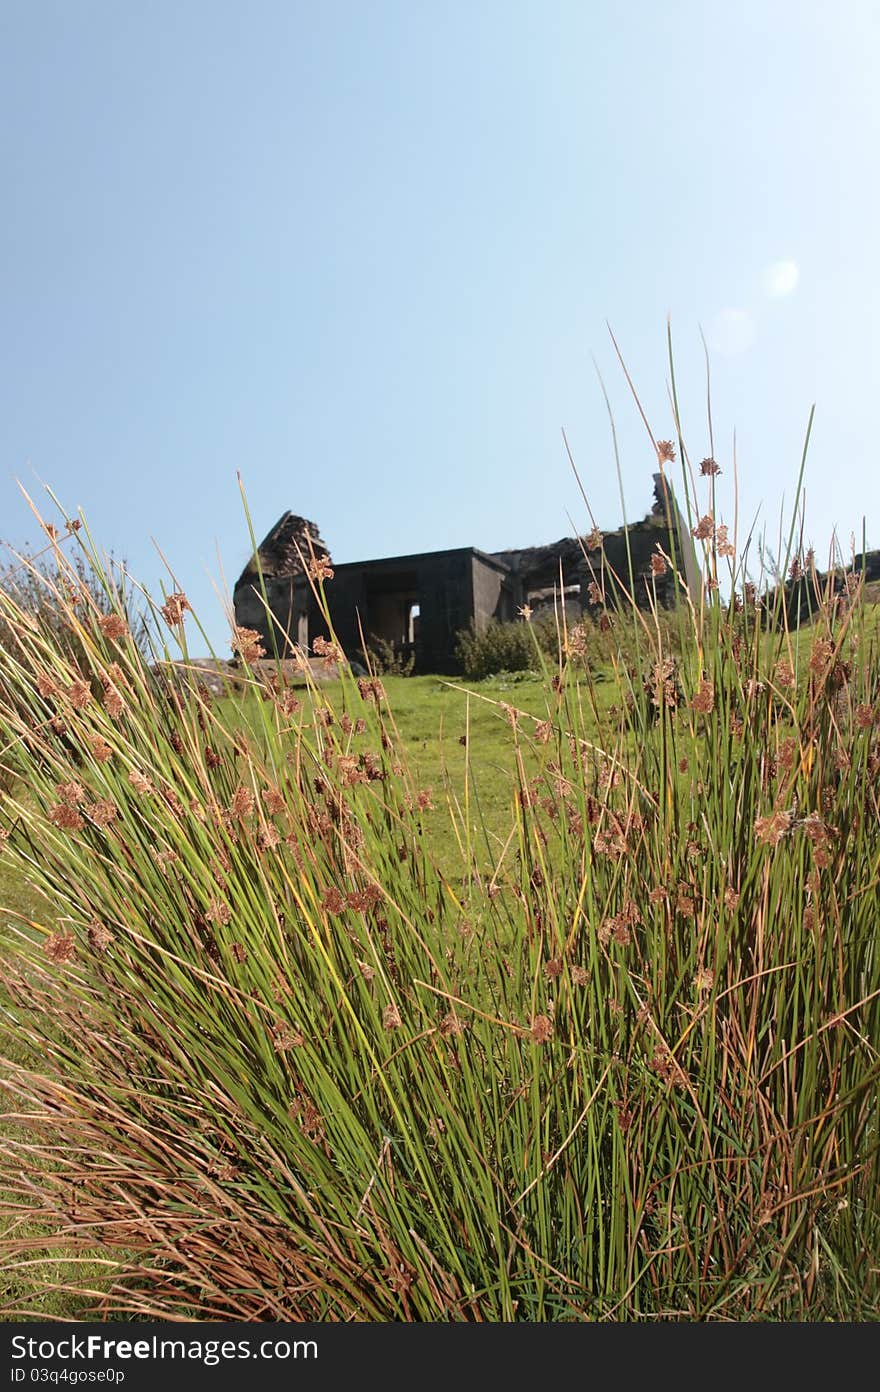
[365, 253]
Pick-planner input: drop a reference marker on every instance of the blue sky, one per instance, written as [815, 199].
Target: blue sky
[365, 253]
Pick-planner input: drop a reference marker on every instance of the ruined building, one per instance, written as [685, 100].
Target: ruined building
[419, 603]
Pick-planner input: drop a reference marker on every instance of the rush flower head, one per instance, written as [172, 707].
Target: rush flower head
[71, 793]
[61, 947]
[99, 937]
[541, 1029]
[65, 817]
[771, 829]
[174, 608]
[113, 702]
[784, 674]
[112, 626]
[658, 564]
[319, 568]
[525, 611]
[708, 468]
[451, 1024]
[723, 546]
[371, 689]
[267, 838]
[142, 784]
[578, 639]
[704, 528]
[247, 643]
[274, 801]
[820, 656]
[242, 803]
[391, 1017]
[101, 750]
[593, 540]
[79, 694]
[333, 901]
[103, 812]
[704, 981]
[703, 698]
[666, 451]
[322, 647]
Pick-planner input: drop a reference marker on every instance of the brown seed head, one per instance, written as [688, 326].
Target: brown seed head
[322, 647]
[820, 656]
[174, 608]
[242, 804]
[704, 981]
[61, 947]
[333, 901]
[541, 1029]
[99, 936]
[319, 568]
[391, 1017]
[71, 793]
[371, 689]
[723, 546]
[103, 812]
[703, 699]
[112, 626]
[101, 750]
[79, 693]
[65, 817]
[247, 643]
[451, 1025]
[771, 829]
[785, 677]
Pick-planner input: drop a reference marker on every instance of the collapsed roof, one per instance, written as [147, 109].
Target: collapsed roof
[286, 549]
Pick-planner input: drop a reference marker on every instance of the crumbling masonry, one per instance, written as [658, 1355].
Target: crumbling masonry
[418, 604]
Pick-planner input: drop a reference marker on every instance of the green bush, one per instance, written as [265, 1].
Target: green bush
[389, 659]
[504, 647]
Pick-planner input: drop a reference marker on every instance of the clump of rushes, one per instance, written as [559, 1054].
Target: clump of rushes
[289, 1071]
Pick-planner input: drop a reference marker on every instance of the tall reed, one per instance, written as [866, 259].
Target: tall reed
[287, 1069]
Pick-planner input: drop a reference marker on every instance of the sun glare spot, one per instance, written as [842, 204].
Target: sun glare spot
[781, 278]
[732, 331]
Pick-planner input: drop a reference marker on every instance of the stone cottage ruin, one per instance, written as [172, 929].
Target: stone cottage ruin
[419, 603]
